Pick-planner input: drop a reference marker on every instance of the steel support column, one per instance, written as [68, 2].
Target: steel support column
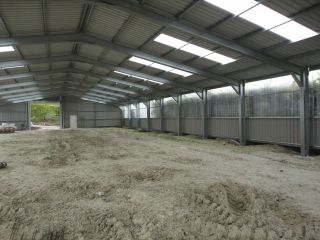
[148, 116]
[305, 114]
[161, 115]
[61, 111]
[95, 114]
[129, 115]
[242, 114]
[179, 115]
[138, 115]
[204, 114]
[28, 116]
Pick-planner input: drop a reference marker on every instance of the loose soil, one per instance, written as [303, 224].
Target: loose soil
[121, 184]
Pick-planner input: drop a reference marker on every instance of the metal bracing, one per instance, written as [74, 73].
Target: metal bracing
[242, 115]
[179, 118]
[83, 38]
[305, 114]
[205, 114]
[202, 34]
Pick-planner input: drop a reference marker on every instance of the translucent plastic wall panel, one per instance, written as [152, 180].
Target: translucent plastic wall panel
[170, 108]
[142, 110]
[191, 106]
[281, 104]
[272, 85]
[133, 112]
[314, 77]
[223, 102]
[276, 97]
[125, 112]
[154, 109]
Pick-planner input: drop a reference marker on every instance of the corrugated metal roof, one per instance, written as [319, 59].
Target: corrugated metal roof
[170, 7]
[137, 31]
[112, 24]
[34, 50]
[287, 50]
[205, 15]
[234, 28]
[106, 22]
[22, 17]
[63, 16]
[90, 51]
[39, 67]
[256, 72]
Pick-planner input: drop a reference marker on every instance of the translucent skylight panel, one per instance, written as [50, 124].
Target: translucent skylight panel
[6, 49]
[138, 77]
[155, 65]
[92, 100]
[170, 41]
[196, 50]
[294, 31]
[181, 73]
[234, 6]
[220, 58]
[264, 17]
[19, 66]
[140, 60]
[161, 67]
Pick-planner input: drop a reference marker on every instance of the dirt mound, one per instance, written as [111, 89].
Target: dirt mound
[233, 211]
[187, 160]
[149, 174]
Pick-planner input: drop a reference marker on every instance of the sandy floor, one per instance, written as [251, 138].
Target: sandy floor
[125, 184]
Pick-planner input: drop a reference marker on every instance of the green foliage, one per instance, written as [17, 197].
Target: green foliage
[45, 113]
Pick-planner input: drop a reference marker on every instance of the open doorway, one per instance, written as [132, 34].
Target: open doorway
[45, 115]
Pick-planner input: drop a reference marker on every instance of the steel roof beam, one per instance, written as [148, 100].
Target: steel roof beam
[76, 58]
[82, 38]
[198, 33]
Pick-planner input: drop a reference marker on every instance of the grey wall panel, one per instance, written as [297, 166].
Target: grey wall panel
[108, 123]
[144, 123]
[126, 122]
[315, 132]
[89, 114]
[276, 130]
[14, 113]
[192, 126]
[223, 127]
[155, 124]
[171, 125]
[135, 122]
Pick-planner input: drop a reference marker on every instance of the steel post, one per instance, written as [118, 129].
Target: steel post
[242, 114]
[305, 114]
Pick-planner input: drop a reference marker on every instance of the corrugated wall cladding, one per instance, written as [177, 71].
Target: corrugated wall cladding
[315, 132]
[14, 113]
[144, 123]
[135, 122]
[170, 125]
[155, 124]
[90, 114]
[192, 126]
[223, 127]
[284, 131]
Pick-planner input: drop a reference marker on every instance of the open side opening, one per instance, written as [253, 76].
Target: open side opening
[45, 115]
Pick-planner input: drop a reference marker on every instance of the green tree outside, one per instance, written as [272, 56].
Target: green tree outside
[47, 114]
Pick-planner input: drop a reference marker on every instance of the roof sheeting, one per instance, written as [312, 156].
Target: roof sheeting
[116, 26]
